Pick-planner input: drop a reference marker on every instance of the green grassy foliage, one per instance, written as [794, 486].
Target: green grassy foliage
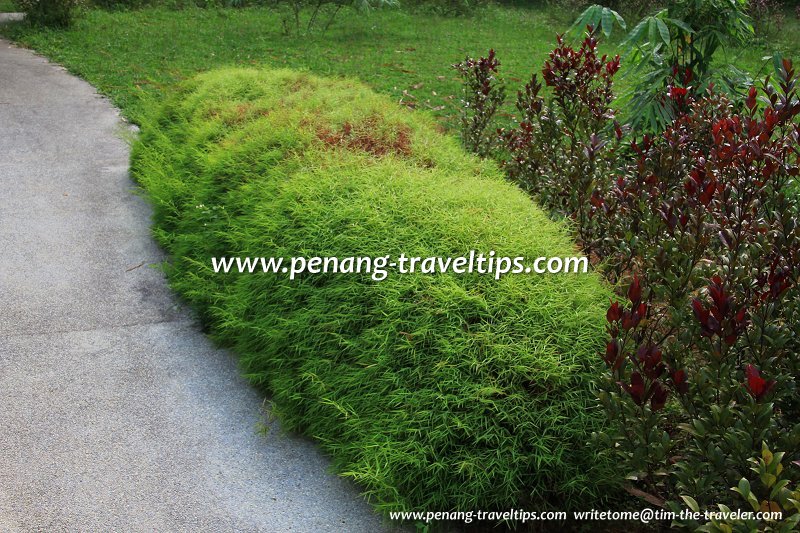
[431, 391]
[8, 6]
[133, 56]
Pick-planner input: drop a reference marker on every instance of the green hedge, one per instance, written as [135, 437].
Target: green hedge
[434, 392]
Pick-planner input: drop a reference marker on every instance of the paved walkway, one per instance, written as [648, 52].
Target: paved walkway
[116, 413]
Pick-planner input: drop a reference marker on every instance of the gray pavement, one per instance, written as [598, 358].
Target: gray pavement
[116, 413]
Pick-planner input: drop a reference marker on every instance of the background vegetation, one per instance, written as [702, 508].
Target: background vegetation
[136, 55]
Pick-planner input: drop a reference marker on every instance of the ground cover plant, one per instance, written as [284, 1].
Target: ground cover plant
[321, 14]
[455, 392]
[135, 57]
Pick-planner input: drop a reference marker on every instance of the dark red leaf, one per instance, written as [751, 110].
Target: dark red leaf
[636, 388]
[614, 313]
[680, 382]
[659, 396]
[635, 291]
[757, 386]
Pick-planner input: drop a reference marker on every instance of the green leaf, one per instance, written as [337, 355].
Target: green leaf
[652, 34]
[620, 20]
[773, 495]
[744, 488]
[691, 503]
[663, 30]
[777, 62]
[635, 34]
[754, 502]
[607, 22]
[777, 458]
[590, 16]
[680, 24]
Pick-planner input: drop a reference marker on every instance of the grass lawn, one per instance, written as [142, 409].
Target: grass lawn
[7, 6]
[133, 56]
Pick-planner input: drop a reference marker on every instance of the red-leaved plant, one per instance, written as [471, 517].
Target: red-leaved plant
[699, 227]
[703, 225]
[570, 138]
[484, 94]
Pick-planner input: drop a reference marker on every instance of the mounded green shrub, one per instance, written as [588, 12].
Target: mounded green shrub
[435, 392]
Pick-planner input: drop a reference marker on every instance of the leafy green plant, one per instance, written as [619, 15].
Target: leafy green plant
[57, 13]
[600, 18]
[320, 14]
[627, 8]
[777, 496]
[447, 8]
[675, 47]
[432, 391]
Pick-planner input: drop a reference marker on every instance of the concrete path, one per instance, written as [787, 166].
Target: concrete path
[116, 413]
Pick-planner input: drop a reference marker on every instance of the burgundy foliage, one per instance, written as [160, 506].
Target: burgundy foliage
[699, 228]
